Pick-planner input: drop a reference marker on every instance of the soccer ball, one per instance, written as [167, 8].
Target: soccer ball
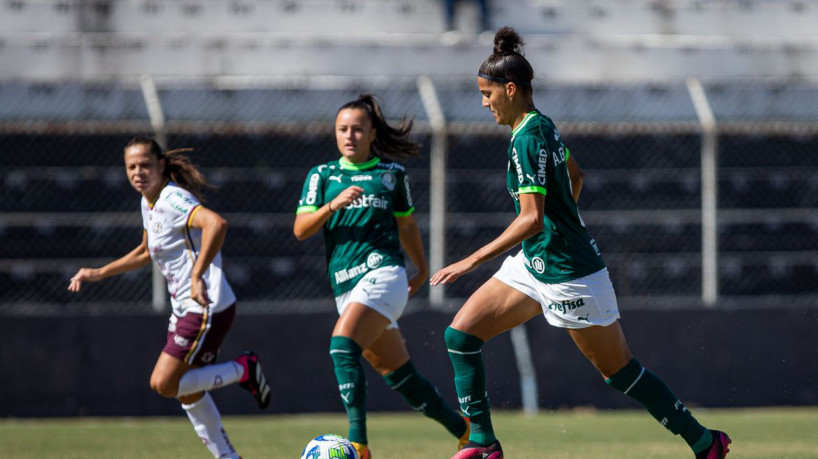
[329, 447]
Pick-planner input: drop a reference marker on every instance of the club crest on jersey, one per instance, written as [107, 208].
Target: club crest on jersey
[388, 180]
[157, 227]
[536, 263]
[374, 260]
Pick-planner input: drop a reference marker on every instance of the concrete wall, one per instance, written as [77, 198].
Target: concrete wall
[99, 366]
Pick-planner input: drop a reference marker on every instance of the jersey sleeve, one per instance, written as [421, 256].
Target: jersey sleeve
[312, 194]
[531, 161]
[402, 203]
[184, 206]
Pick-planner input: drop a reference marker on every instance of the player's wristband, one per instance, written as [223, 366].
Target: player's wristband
[329, 206]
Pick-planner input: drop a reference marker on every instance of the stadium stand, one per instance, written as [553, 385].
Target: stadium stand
[248, 83]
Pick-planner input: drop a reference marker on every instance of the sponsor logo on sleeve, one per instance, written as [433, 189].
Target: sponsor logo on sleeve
[408, 191]
[179, 202]
[516, 161]
[312, 189]
[541, 162]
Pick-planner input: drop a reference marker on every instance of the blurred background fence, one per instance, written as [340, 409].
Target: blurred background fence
[695, 122]
[253, 86]
[66, 202]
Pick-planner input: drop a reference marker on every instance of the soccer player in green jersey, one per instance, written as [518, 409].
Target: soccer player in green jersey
[559, 272]
[363, 203]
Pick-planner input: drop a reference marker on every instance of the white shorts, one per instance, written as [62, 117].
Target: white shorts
[579, 303]
[385, 290]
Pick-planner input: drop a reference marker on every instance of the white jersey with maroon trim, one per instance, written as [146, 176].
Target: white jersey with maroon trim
[174, 245]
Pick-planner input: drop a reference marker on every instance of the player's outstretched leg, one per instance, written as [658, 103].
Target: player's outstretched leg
[253, 379]
[424, 398]
[465, 352]
[346, 358]
[648, 389]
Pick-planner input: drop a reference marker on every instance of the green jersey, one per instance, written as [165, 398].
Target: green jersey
[563, 250]
[363, 235]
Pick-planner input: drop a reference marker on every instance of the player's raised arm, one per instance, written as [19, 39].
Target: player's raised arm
[308, 223]
[135, 259]
[528, 223]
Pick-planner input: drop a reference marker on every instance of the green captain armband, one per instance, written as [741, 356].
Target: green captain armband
[306, 209]
[405, 214]
[531, 189]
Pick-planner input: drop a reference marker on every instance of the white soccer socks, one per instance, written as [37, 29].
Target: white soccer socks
[207, 422]
[209, 378]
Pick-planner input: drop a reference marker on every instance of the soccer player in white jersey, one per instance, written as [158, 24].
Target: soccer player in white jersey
[559, 272]
[185, 240]
[363, 203]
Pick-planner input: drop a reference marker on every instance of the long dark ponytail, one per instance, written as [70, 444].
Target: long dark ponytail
[390, 142]
[178, 166]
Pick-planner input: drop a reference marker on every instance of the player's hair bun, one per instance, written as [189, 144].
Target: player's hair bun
[507, 41]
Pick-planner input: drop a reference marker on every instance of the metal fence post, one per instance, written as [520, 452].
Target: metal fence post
[157, 117]
[437, 186]
[710, 248]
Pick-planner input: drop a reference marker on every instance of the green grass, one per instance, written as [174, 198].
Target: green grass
[578, 434]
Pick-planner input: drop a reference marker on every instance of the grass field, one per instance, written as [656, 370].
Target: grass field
[578, 434]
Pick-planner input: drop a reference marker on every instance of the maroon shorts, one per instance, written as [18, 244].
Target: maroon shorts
[196, 338]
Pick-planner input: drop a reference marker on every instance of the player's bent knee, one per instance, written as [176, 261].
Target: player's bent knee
[191, 398]
[450, 336]
[164, 387]
[461, 341]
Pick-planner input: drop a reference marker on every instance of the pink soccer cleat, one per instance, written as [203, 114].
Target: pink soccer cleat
[253, 379]
[719, 449]
[476, 451]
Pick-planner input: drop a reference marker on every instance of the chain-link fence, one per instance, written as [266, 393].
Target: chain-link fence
[66, 202]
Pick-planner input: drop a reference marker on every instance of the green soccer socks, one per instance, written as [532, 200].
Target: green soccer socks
[470, 381]
[648, 389]
[346, 357]
[421, 395]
